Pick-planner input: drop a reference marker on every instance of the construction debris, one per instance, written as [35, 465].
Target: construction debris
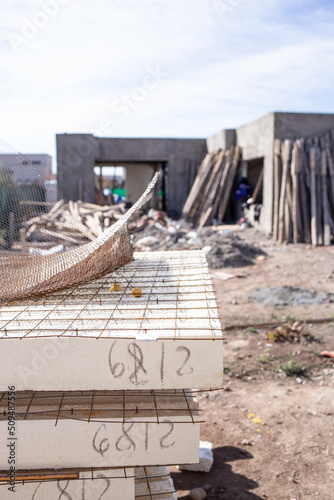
[222, 247]
[209, 196]
[72, 223]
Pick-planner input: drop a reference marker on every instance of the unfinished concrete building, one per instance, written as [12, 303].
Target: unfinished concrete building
[179, 159]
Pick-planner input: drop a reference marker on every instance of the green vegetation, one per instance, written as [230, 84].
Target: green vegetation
[292, 368]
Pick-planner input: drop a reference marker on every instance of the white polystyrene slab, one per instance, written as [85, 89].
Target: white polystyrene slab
[68, 364]
[154, 483]
[89, 338]
[105, 485]
[72, 443]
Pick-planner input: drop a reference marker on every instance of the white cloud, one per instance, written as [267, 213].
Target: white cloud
[223, 70]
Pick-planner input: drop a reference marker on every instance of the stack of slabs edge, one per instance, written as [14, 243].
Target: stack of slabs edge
[96, 381]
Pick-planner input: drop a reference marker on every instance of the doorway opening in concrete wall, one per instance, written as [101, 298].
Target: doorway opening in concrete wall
[109, 184]
[255, 171]
[255, 179]
[114, 183]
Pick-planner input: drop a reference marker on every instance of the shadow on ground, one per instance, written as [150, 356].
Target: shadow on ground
[224, 483]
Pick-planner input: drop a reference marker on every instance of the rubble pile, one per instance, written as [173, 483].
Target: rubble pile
[155, 231]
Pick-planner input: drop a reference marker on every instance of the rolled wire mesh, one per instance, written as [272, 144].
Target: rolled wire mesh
[24, 275]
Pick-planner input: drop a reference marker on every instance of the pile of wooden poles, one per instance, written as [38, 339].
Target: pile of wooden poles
[72, 223]
[209, 196]
[304, 190]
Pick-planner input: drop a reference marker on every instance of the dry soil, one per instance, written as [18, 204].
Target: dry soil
[272, 427]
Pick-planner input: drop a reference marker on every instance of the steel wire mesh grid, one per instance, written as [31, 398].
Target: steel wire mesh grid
[152, 482]
[176, 302]
[24, 276]
[103, 406]
[51, 475]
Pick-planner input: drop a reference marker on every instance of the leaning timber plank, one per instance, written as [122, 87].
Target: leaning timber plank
[304, 191]
[213, 196]
[277, 184]
[200, 181]
[327, 228]
[319, 195]
[230, 175]
[331, 172]
[228, 163]
[289, 224]
[314, 238]
[58, 236]
[52, 214]
[258, 186]
[296, 215]
[211, 180]
[286, 150]
[74, 221]
[93, 225]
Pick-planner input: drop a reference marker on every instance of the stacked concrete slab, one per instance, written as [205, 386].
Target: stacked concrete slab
[102, 380]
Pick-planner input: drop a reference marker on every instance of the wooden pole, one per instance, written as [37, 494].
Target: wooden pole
[327, 228]
[304, 191]
[211, 182]
[314, 238]
[288, 208]
[101, 187]
[319, 195]
[11, 229]
[285, 170]
[277, 185]
[229, 183]
[296, 214]
[199, 183]
[213, 197]
[23, 241]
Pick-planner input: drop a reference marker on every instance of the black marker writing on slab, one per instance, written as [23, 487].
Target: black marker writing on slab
[180, 372]
[103, 445]
[146, 436]
[63, 491]
[117, 369]
[102, 476]
[163, 439]
[125, 435]
[135, 351]
[162, 364]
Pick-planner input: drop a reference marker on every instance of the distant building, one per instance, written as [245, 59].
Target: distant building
[28, 168]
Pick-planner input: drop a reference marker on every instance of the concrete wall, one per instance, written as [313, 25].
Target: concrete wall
[137, 178]
[297, 125]
[75, 166]
[223, 139]
[77, 154]
[256, 140]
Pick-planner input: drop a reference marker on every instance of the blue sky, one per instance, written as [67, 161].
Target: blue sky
[158, 68]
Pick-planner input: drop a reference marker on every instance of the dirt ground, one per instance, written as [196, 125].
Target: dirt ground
[272, 428]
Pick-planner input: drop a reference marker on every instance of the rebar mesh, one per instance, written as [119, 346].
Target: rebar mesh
[103, 406]
[24, 275]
